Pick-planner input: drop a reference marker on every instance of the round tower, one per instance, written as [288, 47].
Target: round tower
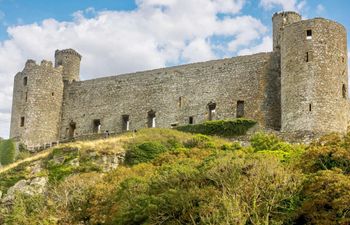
[279, 21]
[37, 104]
[314, 76]
[70, 60]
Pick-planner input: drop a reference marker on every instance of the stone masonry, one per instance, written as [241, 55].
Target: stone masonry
[299, 87]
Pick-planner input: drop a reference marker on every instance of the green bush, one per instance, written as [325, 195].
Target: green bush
[270, 144]
[7, 152]
[145, 152]
[329, 152]
[226, 128]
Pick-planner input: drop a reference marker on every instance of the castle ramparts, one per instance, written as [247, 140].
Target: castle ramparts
[299, 87]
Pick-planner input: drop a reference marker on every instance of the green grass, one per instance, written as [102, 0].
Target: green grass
[225, 128]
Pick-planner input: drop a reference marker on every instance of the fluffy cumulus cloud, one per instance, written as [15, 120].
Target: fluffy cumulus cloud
[157, 33]
[293, 5]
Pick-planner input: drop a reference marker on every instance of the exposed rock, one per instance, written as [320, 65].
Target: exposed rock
[30, 187]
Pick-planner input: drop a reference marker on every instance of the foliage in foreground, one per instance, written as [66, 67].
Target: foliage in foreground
[196, 179]
[7, 152]
[225, 128]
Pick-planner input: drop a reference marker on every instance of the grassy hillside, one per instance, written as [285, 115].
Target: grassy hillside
[171, 177]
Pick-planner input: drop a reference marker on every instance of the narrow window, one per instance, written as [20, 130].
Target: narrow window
[97, 126]
[307, 57]
[191, 120]
[310, 107]
[240, 109]
[173, 125]
[151, 119]
[71, 129]
[26, 96]
[126, 122]
[22, 121]
[25, 81]
[180, 102]
[52, 94]
[309, 34]
[211, 107]
[344, 91]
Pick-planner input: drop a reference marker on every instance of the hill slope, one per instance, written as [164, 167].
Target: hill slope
[160, 176]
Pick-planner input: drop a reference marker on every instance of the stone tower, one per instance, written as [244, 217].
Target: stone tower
[279, 21]
[37, 103]
[70, 60]
[314, 74]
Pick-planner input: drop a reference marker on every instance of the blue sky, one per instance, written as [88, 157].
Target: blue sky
[121, 36]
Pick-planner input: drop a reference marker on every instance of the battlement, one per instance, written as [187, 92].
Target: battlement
[67, 51]
[285, 13]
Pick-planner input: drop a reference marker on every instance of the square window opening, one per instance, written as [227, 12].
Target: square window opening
[309, 34]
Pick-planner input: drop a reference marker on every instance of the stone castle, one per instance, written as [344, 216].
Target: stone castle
[301, 86]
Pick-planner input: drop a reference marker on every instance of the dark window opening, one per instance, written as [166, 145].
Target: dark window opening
[307, 57]
[97, 126]
[126, 122]
[180, 102]
[173, 125]
[25, 81]
[212, 107]
[151, 119]
[344, 91]
[309, 34]
[22, 121]
[240, 109]
[343, 59]
[71, 129]
[26, 96]
[310, 107]
[52, 94]
[191, 120]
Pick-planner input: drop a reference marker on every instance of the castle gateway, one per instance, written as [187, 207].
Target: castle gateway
[301, 86]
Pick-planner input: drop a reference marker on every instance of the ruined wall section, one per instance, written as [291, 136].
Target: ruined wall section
[175, 95]
[314, 81]
[37, 103]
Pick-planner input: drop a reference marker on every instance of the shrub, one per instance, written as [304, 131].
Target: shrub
[226, 128]
[270, 144]
[7, 152]
[328, 153]
[327, 198]
[145, 152]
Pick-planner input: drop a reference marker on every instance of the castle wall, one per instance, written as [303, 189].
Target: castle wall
[314, 77]
[37, 102]
[176, 94]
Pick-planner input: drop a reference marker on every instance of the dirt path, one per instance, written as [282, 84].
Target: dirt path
[37, 156]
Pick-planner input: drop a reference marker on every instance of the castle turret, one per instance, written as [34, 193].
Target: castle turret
[314, 76]
[37, 103]
[70, 60]
[279, 22]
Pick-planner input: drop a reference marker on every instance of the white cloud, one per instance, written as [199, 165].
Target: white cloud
[320, 9]
[264, 46]
[292, 5]
[156, 34]
[198, 50]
